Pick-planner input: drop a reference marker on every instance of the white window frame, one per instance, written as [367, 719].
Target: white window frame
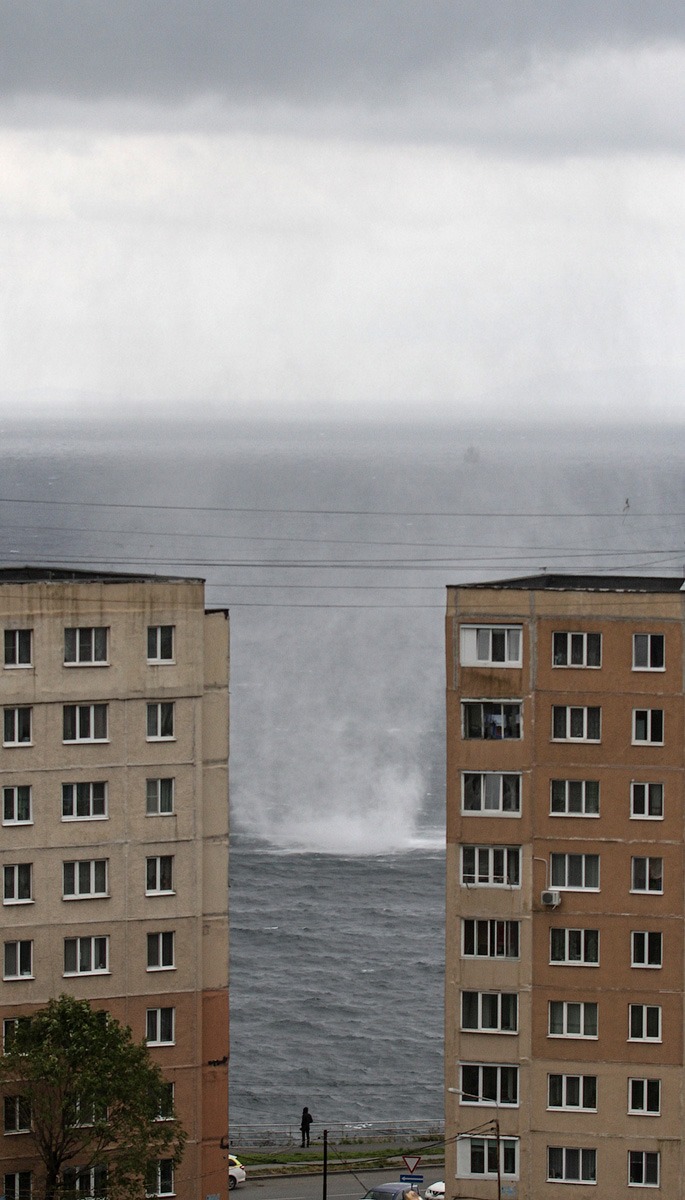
[20, 1108]
[506, 1145]
[156, 638]
[18, 642]
[154, 1022]
[17, 725]
[157, 714]
[18, 1185]
[570, 792]
[653, 717]
[555, 861]
[93, 946]
[642, 945]
[570, 721]
[493, 720]
[491, 793]
[477, 642]
[494, 1001]
[498, 932]
[161, 951]
[638, 788]
[643, 1010]
[639, 1098]
[635, 873]
[569, 1085]
[574, 655]
[568, 1007]
[164, 1178]
[479, 1098]
[635, 1157]
[587, 1165]
[9, 1028]
[493, 866]
[575, 947]
[87, 649]
[644, 647]
[153, 866]
[154, 796]
[86, 719]
[88, 1183]
[82, 798]
[14, 881]
[85, 878]
[13, 802]
[167, 1111]
[20, 954]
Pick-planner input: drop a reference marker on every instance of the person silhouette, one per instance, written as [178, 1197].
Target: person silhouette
[306, 1121]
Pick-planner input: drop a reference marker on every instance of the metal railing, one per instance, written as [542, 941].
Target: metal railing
[340, 1132]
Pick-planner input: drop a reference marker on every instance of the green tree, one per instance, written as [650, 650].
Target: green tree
[95, 1099]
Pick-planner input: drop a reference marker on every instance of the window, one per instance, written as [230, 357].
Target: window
[16, 805]
[567, 1164]
[574, 947]
[160, 721]
[646, 949]
[572, 1018]
[160, 1179]
[491, 720]
[577, 649]
[575, 872]
[484, 1083]
[572, 1091]
[88, 1184]
[17, 1114]
[86, 956]
[647, 801]
[490, 939]
[643, 1168]
[85, 878]
[84, 801]
[18, 1185]
[647, 875]
[166, 1103]
[644, 1023]
[18, 647]
[18, 883]
[491, 645]
[644, 1097]
[159, 1026]
[491, 866]
[489, 1012]
[160, 951]
[648, 726]
[477, 1158]
[648, 652]
[574, 798]
[571, 724]
[84, 723]
[18, 961]
[159, 797]
[491, 793]
[10, 1025]
[160, 643]
[85, 646]
[17, 727]
[159, 874]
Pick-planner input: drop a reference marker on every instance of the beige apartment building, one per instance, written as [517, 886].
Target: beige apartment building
[114, 776]
[565, 974]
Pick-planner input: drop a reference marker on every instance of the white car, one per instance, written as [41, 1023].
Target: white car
[236, 1172]
[436, 1191]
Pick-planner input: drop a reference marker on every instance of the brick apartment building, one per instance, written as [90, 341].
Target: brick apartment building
[565, 974]
[114, 776]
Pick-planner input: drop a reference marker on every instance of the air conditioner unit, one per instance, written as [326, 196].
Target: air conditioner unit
[551, 899]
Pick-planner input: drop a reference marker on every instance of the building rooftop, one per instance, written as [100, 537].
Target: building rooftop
[584, 583]
[28, 574]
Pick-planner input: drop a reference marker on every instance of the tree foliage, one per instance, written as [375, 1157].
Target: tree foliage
[95, 1097]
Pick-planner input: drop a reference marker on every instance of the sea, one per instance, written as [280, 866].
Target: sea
[332, 546]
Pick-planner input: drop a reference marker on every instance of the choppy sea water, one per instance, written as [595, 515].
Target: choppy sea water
[337, 967]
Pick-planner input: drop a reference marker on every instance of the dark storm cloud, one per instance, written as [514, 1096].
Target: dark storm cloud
[300, 51]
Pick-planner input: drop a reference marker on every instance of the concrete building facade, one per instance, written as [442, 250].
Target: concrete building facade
[114, 850]
[565, 974]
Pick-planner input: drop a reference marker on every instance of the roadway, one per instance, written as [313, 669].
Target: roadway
[346, 1186]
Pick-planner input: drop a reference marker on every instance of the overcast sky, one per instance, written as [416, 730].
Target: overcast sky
[452, 208]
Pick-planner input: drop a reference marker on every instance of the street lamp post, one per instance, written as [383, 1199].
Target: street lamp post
[459, 1092]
